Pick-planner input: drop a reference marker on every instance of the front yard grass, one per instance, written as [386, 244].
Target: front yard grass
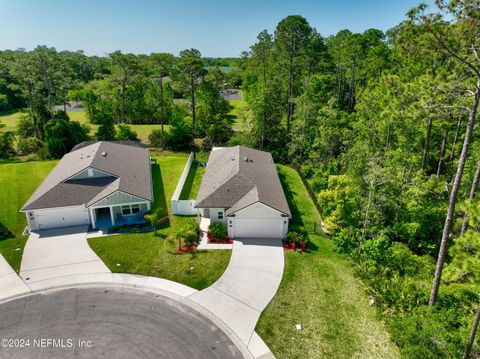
[155, 255]
[319, 291]
[18, 180]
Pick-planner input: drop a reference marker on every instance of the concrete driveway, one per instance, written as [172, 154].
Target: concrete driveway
[247, 286]
[10, 283]
[59, 252]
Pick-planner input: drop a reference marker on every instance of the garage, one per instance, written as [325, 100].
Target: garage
[257, 228]
[62, 217]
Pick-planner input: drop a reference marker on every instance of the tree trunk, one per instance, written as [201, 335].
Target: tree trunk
[442, 153]
[192, 89]
[453, 198]
[473, 332]
[123, 102]
[455, 138]
[351, 97]
[427, 143]
[473, 193]
[291, 81]
[161, 103]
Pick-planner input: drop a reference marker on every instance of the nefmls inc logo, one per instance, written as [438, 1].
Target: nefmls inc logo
[53, 343]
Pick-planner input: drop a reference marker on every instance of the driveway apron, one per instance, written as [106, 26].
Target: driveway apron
[247, 286]
[59, 252]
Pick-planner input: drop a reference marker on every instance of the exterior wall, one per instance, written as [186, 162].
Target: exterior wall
[31, 220]
[95, 172]
[118, 198]
[258, 211]
[214, 215]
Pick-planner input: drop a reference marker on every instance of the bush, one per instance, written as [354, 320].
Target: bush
[218, 230]
[190, 238]
[179, 136]
[294, 237]
[25, 127]
[192, 225]
[125, 133]
[29, 145]
[157, 139]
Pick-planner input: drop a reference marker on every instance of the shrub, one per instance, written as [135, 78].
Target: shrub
[125, 133]
[157, 139]
[218, 230]
[190, 238]
[192, 225]
[28, 145]
[294, 237]
[300, 230]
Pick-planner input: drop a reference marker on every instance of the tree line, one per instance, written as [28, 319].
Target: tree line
[383, 128]
[114, 91]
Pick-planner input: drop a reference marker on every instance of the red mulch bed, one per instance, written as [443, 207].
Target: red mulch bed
[225, 240]
[293, 247]
[187, 249]
[220, 241]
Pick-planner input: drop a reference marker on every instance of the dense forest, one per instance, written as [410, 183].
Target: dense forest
[381, 126]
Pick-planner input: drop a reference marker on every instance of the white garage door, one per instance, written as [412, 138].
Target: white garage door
[62, 217]
[257, 228]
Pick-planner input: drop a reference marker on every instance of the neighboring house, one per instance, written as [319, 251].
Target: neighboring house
[241, 189]
[99, 184]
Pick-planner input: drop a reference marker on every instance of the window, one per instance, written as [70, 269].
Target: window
[220, 214]
[135, 208]
[90, 172]
[126, 210]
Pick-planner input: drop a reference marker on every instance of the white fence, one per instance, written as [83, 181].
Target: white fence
[184, 207]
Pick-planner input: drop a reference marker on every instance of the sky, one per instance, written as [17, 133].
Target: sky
[217, 28]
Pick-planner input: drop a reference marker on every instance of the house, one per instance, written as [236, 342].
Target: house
[98, 184]
[241, 189]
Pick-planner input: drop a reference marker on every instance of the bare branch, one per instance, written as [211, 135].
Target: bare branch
[452, 53]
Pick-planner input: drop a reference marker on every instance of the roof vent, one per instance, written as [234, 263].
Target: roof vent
[245, 159]
[104, 154]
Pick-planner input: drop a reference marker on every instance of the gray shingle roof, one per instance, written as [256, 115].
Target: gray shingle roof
[129, 167]
[237, 177]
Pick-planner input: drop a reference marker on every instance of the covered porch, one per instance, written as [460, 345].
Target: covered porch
[118, 215]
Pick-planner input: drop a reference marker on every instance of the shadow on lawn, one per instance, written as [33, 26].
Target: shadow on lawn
[160, 200]
[187, 187]
[5, 233]
[289, 194]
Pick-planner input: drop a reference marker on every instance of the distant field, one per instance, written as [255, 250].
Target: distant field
[10, 120]
[238, 107]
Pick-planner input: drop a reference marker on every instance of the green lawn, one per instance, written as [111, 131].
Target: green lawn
[18, 180]
[193, 182]
[9, 120]
[152, 255]
[319, 291]
[237, 107]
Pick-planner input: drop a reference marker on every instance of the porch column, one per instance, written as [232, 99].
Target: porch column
[111, 215]
[92, 216]
[148, 206]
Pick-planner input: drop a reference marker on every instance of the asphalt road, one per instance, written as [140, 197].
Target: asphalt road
[108, 323]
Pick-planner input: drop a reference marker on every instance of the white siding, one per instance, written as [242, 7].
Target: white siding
[214, 215]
